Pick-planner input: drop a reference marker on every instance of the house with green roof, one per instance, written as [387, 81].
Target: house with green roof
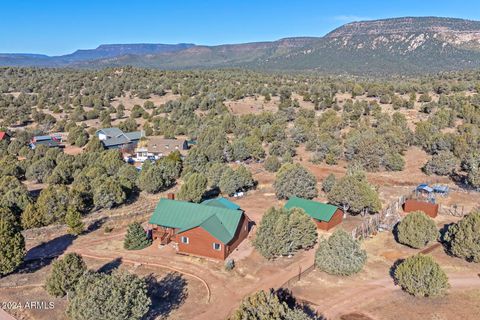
[213, 229]
[325, 216]
[221, 203]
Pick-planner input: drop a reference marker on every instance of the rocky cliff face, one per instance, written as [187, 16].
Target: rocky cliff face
[399, 45]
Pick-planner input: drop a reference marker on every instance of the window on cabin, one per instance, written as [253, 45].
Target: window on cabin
[185, 240]
[217, 246]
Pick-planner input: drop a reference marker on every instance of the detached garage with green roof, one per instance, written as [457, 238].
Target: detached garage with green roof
[213, 229]
[325, 216]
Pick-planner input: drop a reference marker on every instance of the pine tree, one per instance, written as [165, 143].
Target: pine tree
[136, 237]
[73, 219]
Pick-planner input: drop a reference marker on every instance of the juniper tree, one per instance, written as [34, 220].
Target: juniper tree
[441, 164]
[117, 296]
[353, 193]
[107, 193]
[215, 172]
[463, 238]
[232, 181]
[268, 305]
[421, 276]
[293, 180]
[65, 273]
[12, 243]
[340, 254]
[193, 188]
[417, 230]
[329, 182]
[283, 232]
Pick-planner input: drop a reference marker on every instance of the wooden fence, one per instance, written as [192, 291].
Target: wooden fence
[386, 219]
[455, 210]
[301, 273]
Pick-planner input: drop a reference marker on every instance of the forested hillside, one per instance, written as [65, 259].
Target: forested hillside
[381, 47]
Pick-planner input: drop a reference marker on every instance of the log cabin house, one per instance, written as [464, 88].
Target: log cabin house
[212, 229]
[325, 216]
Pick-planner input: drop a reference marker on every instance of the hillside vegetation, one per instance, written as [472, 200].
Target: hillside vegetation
[400, 45]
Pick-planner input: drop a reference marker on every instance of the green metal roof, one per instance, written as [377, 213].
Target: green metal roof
[317, 210]
[221, 203]
[221, 223]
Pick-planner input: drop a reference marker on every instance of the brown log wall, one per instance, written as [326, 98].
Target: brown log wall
[201, 242]
[334, 221]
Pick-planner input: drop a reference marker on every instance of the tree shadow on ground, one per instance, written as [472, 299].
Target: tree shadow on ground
[395, 231]
[109, 267]
[393, 268]
[285, 295]
[167, 294]
[443, 239]
[94, 226]
[211, 194]
[43, 254]
[132, 197]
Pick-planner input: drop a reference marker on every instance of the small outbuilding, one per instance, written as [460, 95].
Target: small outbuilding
[430, 209]
[325, 216]
[207, 230]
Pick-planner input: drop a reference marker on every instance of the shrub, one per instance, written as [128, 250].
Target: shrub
[272, 164]
[65, 274]
[340, 254]
[421, 276]
[463, 238]
[136, 237]
[416, 230]
[293, 180]
[119, 296]
[283, 232]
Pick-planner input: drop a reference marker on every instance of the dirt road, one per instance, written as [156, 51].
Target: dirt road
[224, 298]
[335, 306]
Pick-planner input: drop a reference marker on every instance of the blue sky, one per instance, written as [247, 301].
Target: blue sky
[59, 27]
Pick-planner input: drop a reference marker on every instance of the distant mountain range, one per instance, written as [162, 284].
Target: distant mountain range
[399, 45]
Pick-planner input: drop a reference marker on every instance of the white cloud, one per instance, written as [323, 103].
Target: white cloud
[350, 18]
